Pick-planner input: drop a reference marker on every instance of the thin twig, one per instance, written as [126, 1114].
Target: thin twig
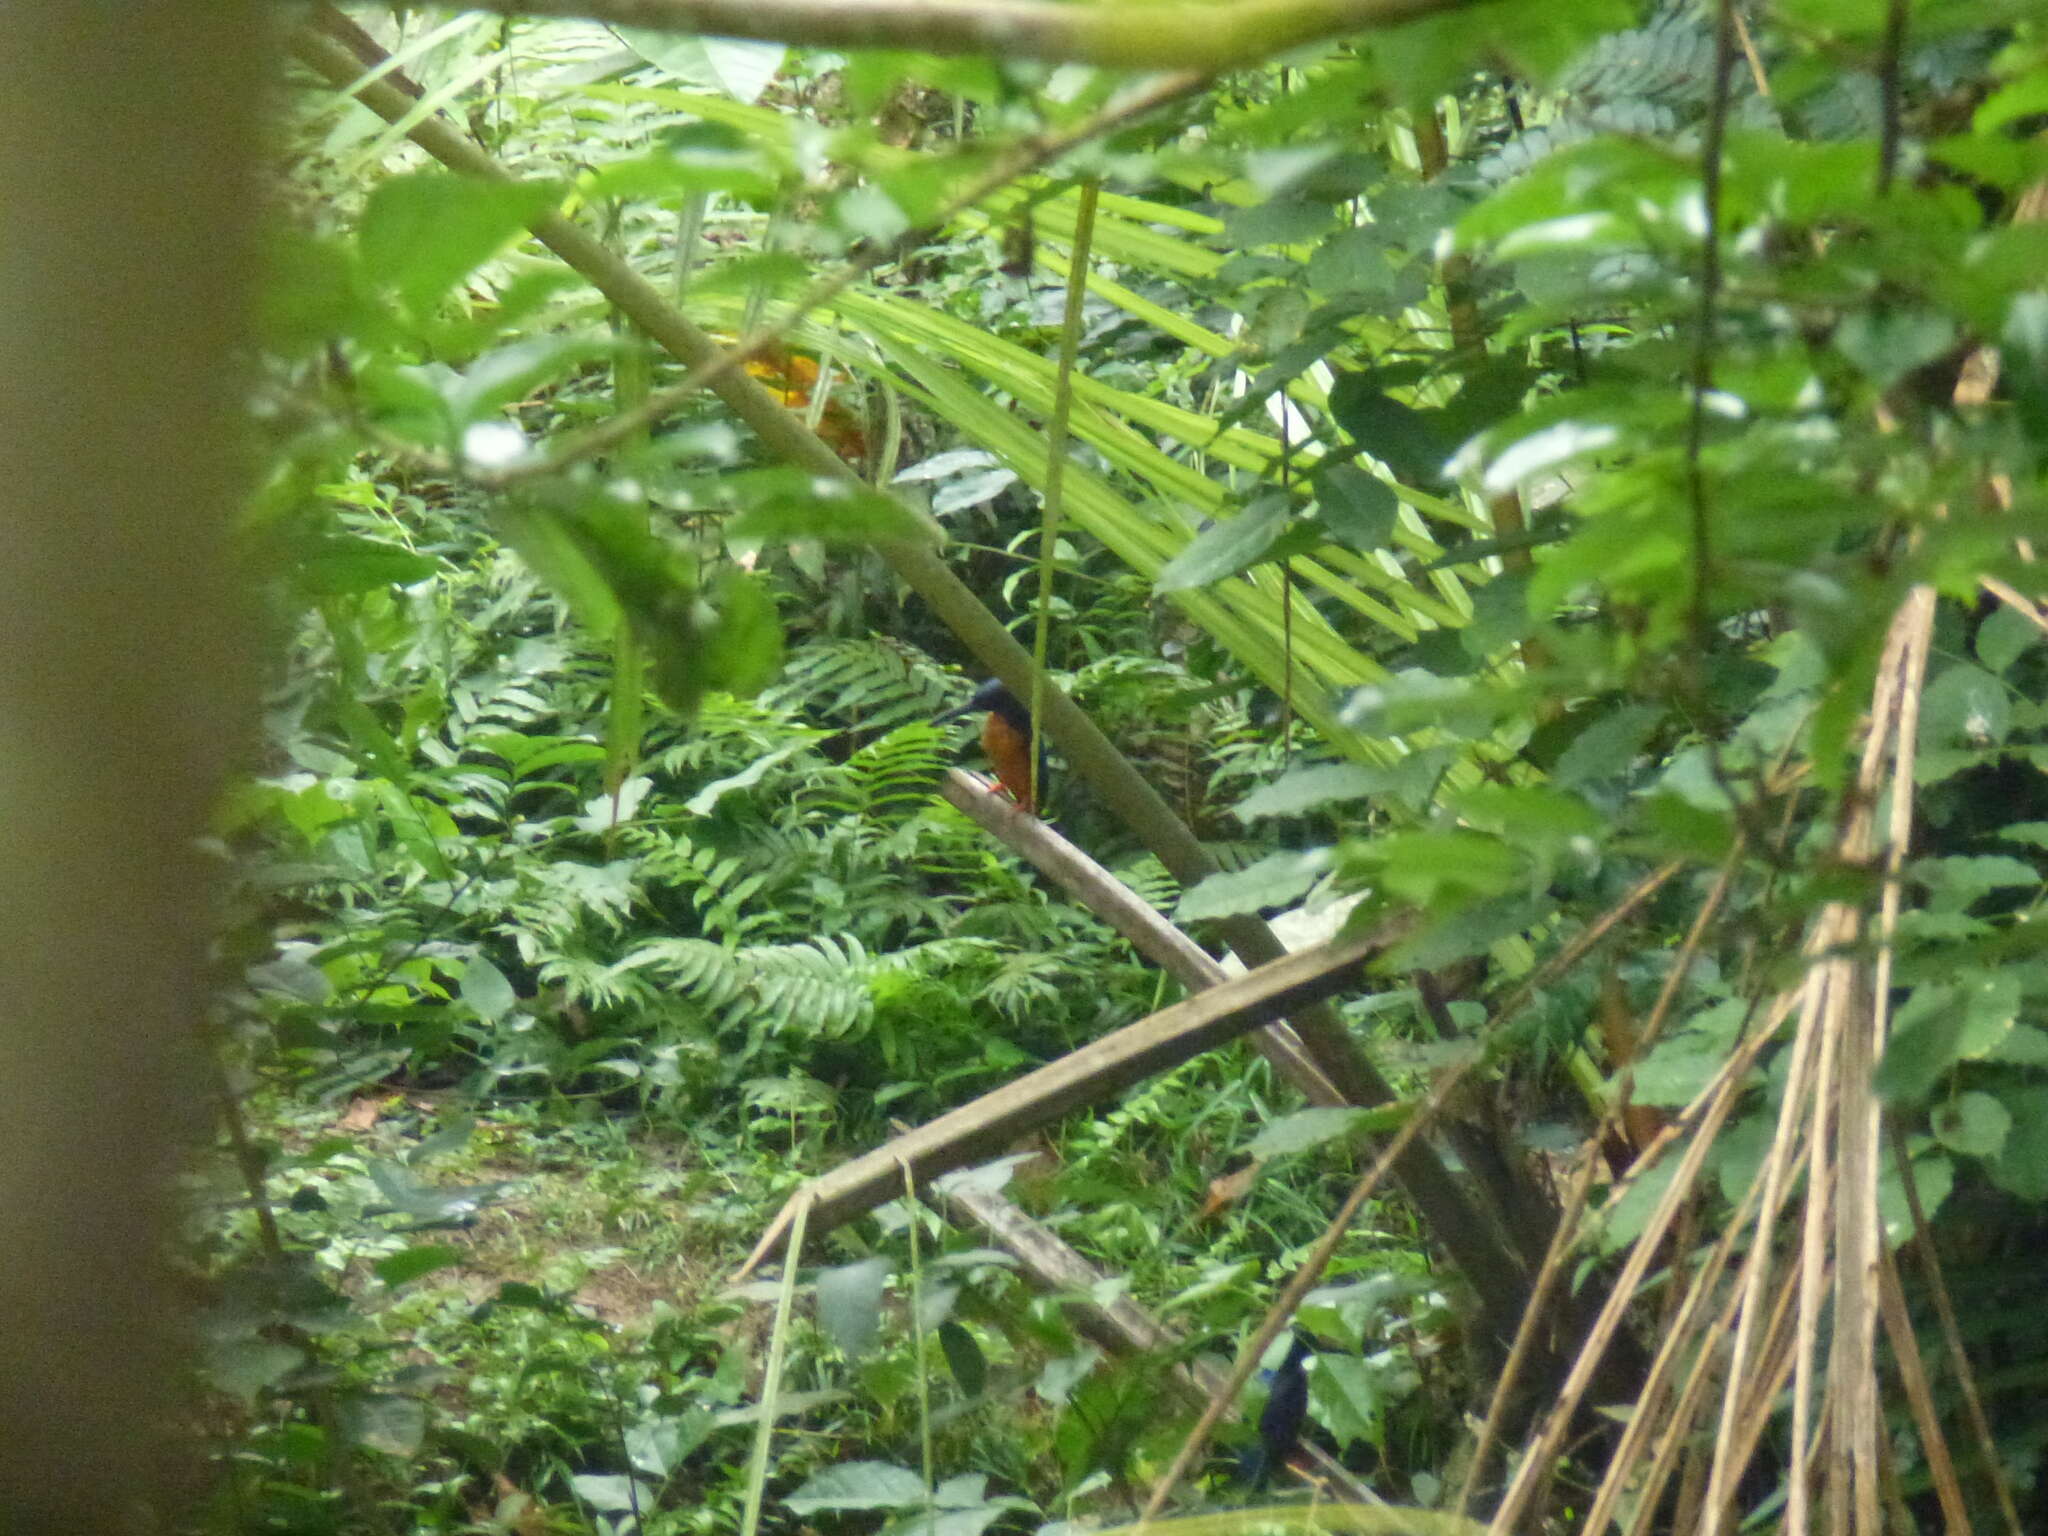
[1952, 1336]
[1890, 56]
[1056, 470]
[1700, 616]
[1584, 943]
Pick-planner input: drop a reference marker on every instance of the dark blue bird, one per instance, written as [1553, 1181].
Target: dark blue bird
[1281, 1419]
[1006, 738]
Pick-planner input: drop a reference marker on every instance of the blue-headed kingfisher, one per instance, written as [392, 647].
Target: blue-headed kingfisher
[1281, 1420]
[1006, 738]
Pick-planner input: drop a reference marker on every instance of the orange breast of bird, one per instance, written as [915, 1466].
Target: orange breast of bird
[1009, 753]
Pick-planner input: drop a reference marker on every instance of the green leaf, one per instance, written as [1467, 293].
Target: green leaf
[2025, 97]
[705, 801]
[1941, 1025]
[397, 1426]
[1303, 789]
[691, 158]
[858, 1485]
[659, 1446]
[1974, 1124]
[409, 1264]
[850, 1304]
[1274, 881]
[1281, 222]
[1399, 436]
[422, 234]
[832, 510]
[963, 1357]
[1934, 1176]
[1527, 813]
[246, 1366]
[739, 638]
[1889, 345]
[1358, 509]
[1307, 1128]
[2021, 1167]
[740, 68]
[485, 989]
[330, 565]
[1965, 706]
[1424, 868]
[610, 1492]
[1674, 826]
[1228, 546]
[2005, 637]
[1609, 746]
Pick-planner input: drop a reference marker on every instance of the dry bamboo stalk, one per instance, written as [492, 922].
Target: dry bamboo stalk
[1898, 1327]
[1678, 1424]
[1675, 1339]
[1952, 1339]
[1756, 1268]
[1828, 1096]
[1719, 1097]
[1815, 1248]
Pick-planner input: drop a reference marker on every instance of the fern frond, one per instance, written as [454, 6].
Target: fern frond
[874, 683]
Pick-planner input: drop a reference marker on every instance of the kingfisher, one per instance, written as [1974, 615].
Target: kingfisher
[1280, 1421]
[1006, 738]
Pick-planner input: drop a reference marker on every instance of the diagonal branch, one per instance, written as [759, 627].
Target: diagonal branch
[1149, 35]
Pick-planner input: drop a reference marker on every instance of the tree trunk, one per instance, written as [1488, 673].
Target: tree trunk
[128, 175]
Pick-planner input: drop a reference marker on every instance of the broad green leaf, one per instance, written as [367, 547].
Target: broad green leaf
[330, 565]
[1965, 706]
[423, 233]
[1526, 813]
[1608, 746]
[832, 510]
[965, 1359]
[1934, 1176]
[1227, 547]
[410, 1264]
[2005, 636]
[1359, 509]
[850, 1304]
[1348, 1396]
[1425, 868]
[485, 989]
[1304, 789]
[610, 1492]
[1399, 436]
[1974, 1124]
[1307, 1128]
[692, 158]
[1274, 881]
[858, 1485]
[2021, 1167]
[246, 1366]
[658, 1447]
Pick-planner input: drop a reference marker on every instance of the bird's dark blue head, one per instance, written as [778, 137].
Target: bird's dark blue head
[992, 698]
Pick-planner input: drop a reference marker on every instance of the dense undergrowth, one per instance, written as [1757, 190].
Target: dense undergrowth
[592, 890]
